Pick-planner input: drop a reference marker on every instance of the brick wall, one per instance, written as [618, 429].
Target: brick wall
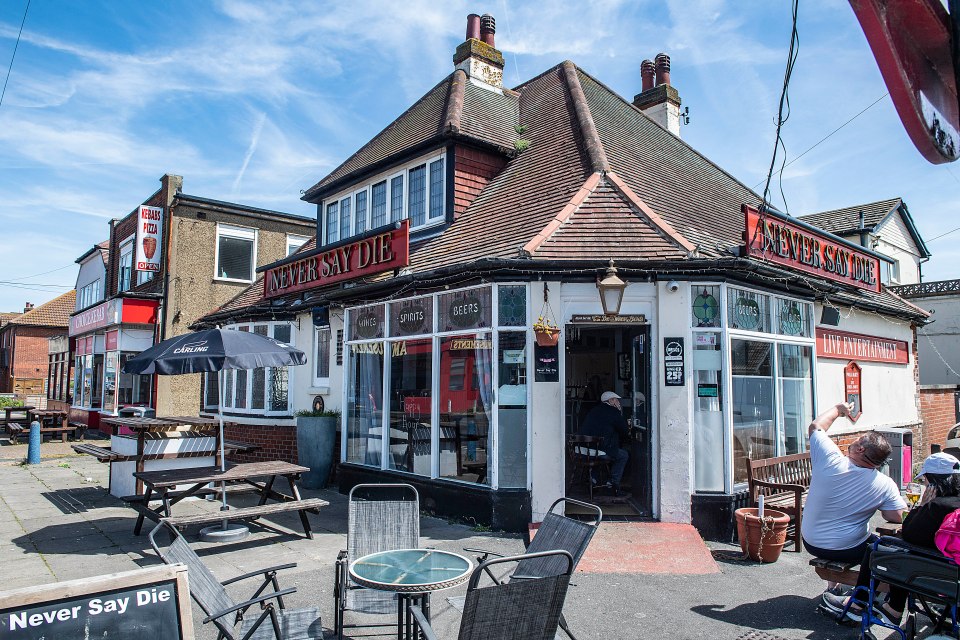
[938, 412]
[473, 169]
[30, 354]
[276, 442]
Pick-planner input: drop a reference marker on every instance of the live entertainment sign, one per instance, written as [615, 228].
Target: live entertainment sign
[843, 345]
[776, 239]
[375, 254]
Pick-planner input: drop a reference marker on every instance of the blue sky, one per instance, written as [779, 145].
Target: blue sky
[252, 102]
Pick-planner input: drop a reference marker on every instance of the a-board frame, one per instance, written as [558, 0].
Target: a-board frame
[149, 604]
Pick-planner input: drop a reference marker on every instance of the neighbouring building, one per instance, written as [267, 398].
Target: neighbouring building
[172, 259]
[24, 347]
[481, 214]
[939, 349]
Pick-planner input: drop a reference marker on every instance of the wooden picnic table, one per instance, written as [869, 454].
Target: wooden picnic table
[52, 421]
[162, 486]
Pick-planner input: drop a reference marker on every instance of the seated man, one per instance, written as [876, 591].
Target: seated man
[605, 421]
[845, 492]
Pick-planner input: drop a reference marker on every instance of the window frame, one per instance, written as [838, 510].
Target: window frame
[387, 177]
[292, 239]
[236, 232]
[125, 249]
[318, 381]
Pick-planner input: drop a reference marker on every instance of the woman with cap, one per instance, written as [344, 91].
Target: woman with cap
[941, 473]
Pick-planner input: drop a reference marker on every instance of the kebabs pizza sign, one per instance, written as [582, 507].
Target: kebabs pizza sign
[149, 236]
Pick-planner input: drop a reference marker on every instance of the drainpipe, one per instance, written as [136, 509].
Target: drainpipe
[863, 231]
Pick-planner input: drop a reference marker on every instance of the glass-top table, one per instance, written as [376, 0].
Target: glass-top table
[412, 574]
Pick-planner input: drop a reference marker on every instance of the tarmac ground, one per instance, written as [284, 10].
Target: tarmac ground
[638, 580]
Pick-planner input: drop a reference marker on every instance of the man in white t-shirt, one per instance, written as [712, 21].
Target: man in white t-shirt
[845, 492]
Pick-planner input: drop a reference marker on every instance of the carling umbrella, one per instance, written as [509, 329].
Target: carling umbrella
[214, 350]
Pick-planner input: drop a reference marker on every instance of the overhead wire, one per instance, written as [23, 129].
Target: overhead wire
[14, 55]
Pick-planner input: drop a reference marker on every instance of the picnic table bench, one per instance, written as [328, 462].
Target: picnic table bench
[163, 486]
[106, 454]
[783, 482]
[16, 430]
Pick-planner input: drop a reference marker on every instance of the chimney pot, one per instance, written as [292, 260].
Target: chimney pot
[647, 71]
[473, 26]
[27, 307]
[488, 27]
[663, 68]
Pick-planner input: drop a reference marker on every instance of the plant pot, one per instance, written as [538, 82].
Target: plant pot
[762, 540]
[315, 449]
[548, 338]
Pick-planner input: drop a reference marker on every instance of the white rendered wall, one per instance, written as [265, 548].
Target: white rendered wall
[675, 451]
[302, 388]
[893, 239]
[889, 391]
[547, 432]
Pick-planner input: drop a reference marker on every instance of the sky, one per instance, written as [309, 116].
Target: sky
[253, 102]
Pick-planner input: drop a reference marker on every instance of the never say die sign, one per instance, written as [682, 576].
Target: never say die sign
[149, 604]
[149, 235]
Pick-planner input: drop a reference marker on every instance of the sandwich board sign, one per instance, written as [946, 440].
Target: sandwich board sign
[147, 604]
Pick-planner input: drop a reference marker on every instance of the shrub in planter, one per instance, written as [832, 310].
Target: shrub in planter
[316, 438]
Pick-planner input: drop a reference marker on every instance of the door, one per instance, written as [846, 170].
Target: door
[640, 420]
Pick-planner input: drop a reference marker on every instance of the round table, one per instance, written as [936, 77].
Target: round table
[412, 574]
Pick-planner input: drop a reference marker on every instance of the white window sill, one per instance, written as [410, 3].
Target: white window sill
[320, 389]
[236, 280]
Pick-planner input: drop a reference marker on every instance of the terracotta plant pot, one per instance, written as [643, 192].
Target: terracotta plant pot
[547, 338]
[762, 540]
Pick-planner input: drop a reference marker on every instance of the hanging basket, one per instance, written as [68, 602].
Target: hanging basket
[547, 337]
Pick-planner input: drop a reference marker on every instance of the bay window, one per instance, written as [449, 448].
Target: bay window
[255, 391]
[433, 362]
[752, 360]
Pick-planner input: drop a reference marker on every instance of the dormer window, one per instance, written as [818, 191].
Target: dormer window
[416, 192]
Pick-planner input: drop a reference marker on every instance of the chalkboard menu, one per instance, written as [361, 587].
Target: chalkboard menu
[149, 604]
[546, 362]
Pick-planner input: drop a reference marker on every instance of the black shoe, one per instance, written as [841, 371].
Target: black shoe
[615, 490]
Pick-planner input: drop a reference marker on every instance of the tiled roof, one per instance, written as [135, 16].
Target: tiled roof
[847, 220]
[55, 313]
[599, 180]
[7, 317]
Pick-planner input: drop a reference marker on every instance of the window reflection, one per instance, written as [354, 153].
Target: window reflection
[410, 424]
[365, 393]
[753, 417]
[466, 402]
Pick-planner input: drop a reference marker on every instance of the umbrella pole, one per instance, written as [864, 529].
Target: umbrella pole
[223, 457]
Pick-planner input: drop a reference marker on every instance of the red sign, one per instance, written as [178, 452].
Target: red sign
[851, 388]
[776, 239]
[110, 340]
[376, 254]
[136, 311]
[844, 345]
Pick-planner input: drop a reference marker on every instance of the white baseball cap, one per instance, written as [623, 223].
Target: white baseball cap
[941, 464]
[608, 395]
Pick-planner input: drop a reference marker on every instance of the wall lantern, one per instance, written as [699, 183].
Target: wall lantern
[611, 291]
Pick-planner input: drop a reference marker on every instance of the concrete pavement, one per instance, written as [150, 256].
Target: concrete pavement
[57, 522]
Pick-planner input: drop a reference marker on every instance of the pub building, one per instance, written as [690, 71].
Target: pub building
[482, 214]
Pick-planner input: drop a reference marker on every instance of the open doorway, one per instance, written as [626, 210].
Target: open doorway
[598, 359]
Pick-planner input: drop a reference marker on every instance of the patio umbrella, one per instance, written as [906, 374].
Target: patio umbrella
[214, 350]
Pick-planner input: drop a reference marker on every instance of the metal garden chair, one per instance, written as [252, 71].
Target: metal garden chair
[518, 610]
[225, 613]
[381, 517]
[556, 532]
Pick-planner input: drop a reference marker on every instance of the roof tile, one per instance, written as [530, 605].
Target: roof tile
[55, 313]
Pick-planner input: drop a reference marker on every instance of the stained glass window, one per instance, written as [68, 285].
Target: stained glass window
[512, 307]
[706, 306]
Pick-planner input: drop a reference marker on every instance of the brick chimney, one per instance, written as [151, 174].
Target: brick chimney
[27, 307]
[478, 56]
[658, 99]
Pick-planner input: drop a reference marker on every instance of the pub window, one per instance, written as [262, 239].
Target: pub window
[436, 189]
[748, 310]
[321, 340]
[360, 212]
[708, 423]
[254, 390]
[512, 409]
[792, 318]
[345, 218]
[378, 211]
[418, 196]
[236, 248]
[512, 307]
[125, 271]
[705, 308]
[333, 227]
[396, 198]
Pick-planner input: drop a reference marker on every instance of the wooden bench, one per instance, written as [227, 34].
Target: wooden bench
[79, 430]
[784, 483]
[106, 454]
[248, 513]
[15, 429]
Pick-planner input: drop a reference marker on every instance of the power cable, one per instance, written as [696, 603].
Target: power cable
[824, 138]
[10, 68]
[783, 113]
[37, 275]
[943, 234]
